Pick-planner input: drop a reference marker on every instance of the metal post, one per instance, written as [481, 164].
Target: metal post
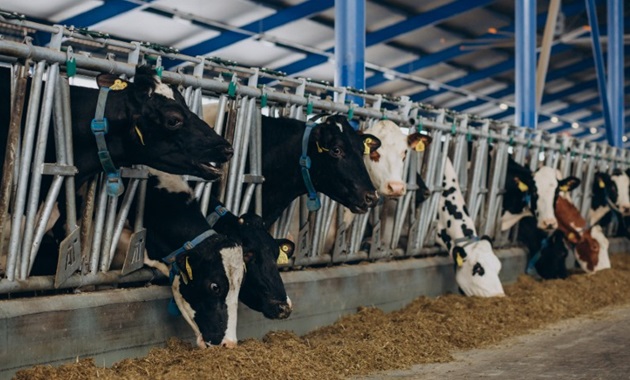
[615, 70]
[599, 66]
[350, 45]
[545, 50]
[525, 13]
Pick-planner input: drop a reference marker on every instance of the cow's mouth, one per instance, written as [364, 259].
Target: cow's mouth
[210, 170]
[356, 209]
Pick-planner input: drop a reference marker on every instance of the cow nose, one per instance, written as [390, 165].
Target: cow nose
[371, 198]
[395, 188]
[550, 224]
[285, 311]
[228, 343]
[228, 151]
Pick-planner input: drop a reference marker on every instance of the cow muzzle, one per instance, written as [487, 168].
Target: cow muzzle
[548, 224]
[395, 189]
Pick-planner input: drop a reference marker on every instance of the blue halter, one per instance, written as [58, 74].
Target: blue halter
[216, 214]
[100, 127]
[313, 203]
[531, 265]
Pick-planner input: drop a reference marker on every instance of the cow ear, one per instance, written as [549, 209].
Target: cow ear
[418, 141]
[522, 186]
[285, 251]
[370, 143]
[568, 183]
[111, 81]
[144, 82]
[488, 238]
[458, 256]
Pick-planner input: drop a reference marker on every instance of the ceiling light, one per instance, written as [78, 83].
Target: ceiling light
[575, 125]
[554, 119]
[434, 86]
[593, 130]
[624, 138]
[503, 106]
[492, 30]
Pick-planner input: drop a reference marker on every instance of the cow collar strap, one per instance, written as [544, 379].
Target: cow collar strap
[313, 203]
[100, 127]
[466, 240]
[187, 246]
[216, 214]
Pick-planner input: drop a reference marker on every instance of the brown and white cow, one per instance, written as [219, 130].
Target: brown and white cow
[590, 244]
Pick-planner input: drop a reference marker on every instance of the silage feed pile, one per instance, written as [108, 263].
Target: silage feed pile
[428, 330]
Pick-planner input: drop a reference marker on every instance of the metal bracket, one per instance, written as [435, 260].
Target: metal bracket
[134, 259]
[341, 241]
[59, 169]
[69, 257]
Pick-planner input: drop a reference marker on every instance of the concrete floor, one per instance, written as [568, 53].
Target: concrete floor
[589, 348]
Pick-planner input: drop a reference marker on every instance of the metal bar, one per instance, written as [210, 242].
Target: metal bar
[99, 222]
[25, 163]
[525, 14]
[591, 11]
[350, 45]
[616, 70]
[545, 50]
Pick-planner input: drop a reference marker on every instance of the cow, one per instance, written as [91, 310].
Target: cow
[206, 269]
[589, 244]
[332, 159]
[385, 165]
[611, 200]
[262, 289]
[529, 200]
[476, 266]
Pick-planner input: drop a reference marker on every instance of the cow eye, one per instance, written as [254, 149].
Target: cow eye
[215, 288]
[336, 152]
[478, 269]
[174, 121]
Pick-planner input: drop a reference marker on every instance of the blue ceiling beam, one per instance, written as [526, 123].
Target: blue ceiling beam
[456, 51]
[509, 90]
[280, 18]
[493, 70]
[432, 17]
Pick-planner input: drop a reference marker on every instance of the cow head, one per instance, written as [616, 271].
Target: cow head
[553, 254]
[604, 191]
[158, 128]
[477, 269]
[548, 184]
[206, 289]
[263, 289]
[386, 164]
[622, 182]
[336, 151]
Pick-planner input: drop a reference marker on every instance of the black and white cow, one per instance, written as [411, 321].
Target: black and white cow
[611, 200]
[207, 268]
[336, 164]
[529, 200]
[476, 265]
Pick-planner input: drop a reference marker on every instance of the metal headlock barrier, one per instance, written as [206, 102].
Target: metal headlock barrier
[399, 228]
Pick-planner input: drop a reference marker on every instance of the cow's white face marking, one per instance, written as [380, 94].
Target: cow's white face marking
[604, 259]
[340, 126]
[386, 172]
[479, 273]
[164, 90]
[171, 182]
[546, 180]
[234, 269]
[187, 311]
[623, 192]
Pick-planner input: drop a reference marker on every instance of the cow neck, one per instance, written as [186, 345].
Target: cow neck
[313, 203]
[531, 265]
[283, 178]
[99, 126]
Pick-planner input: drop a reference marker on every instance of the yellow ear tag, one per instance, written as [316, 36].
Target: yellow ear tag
[366, 146]
[571, 236]
[522, 186]
[189, 270]
[320, 149]
[139, 133]
[564, 188]
[601, 184]
[282, 258]
[118, 85]
[459, 260]
[420, 146]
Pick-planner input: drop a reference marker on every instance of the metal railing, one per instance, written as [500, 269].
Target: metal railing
[477, 147]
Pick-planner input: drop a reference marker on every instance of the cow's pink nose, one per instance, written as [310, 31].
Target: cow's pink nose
[228, 343]
[395, 188]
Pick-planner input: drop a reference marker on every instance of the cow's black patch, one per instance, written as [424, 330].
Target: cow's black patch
[478, 269]
[448, 223]
[467, 231]
[466, 210]
[445, 238]
[449, 191]
[452, 210]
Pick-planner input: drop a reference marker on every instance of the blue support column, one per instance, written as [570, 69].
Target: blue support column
[591, 11]
[525, 14]
[616, 70]
[350, 44]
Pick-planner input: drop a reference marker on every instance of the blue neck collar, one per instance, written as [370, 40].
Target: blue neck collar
[313, 203]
